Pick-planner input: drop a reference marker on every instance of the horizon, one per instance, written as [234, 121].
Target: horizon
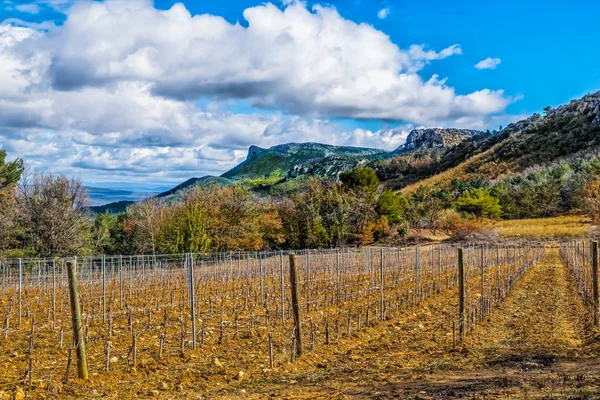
[159, 109]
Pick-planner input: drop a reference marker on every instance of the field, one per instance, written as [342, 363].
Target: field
[557, 228]
[375, 323]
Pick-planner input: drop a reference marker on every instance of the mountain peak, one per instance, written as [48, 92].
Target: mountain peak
[253, 151]
[435, 138]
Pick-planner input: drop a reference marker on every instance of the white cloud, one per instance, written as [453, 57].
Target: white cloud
[310, 63]
[488, 63]
[115, 87]
[28, 8]
[383, 13]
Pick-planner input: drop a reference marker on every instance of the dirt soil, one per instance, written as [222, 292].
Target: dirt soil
[538, 344]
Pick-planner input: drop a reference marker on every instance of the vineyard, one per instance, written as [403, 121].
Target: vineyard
[158, 325]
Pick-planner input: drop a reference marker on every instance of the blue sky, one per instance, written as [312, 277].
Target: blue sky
[89, 90]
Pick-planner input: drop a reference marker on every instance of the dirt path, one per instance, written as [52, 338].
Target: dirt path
[538, 344]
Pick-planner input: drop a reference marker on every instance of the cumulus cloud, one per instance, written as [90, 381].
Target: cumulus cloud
[307, 62]
[115, 88]
[488, 63]
[383, 13]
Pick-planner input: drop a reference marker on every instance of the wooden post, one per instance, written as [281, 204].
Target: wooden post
[190, 263]
[461, 295]
[82, 371]
[498, 270]
[260, 263]
[594, 259]
[417, 266]
[381, 289]
[103, 288]
[482, 282]
[282, 287]
[120, 282]
[20, 288]
[295, 306]
[53, 294]
[439, 262]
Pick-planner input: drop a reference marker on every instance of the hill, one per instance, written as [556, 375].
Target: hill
[282, 160]
[564, 134]
[276, 170]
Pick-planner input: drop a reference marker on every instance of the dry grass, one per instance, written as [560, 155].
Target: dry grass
[545, 228]
[447, 175]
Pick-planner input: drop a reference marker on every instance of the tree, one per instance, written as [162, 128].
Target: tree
[53, 210]
[361, 179]
[591, 198]
[391, 206]
[143, 224]
[479, 203]
[10, 172]
[104, 225]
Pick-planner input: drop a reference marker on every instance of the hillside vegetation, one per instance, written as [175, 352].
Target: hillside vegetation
[443, 181]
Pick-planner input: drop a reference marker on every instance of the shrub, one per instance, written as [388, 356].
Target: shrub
[479, 203]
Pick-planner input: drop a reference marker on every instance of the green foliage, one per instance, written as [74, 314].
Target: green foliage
[264, 181]
[392, 205]
[479, 203]
[10, 172]
[362, 178]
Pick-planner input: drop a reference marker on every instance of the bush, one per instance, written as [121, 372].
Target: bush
[459, 228]
[479, 203]
[362, 179]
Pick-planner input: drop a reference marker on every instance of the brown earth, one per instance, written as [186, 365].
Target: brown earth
[538, 344]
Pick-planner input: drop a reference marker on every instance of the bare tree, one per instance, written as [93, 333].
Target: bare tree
[53, 210]
[145, 218]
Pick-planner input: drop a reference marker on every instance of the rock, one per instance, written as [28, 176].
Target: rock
[114, 359]
[435, 138]
[217, 363]
[164, 386]
[18, 394]
[240, 375]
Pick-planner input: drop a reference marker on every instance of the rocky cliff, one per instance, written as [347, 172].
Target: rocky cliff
[435, 138]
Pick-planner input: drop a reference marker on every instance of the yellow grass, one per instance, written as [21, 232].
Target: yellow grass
[545, 228]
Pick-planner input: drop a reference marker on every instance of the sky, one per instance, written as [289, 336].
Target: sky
[142, 94]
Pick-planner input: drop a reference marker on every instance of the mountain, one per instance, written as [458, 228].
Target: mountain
[435, 139]
[282, 160]
[169, 195]
[190, 183]
[537, 143]
[266, 168]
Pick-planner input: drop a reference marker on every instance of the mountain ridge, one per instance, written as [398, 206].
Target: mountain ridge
[288, 161]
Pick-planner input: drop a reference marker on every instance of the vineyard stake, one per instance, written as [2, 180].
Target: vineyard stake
[82, 371]
[381, 289]
[594, 254]
[417, 265]
[190, 263]
[20, 287]
[461, 295]
[295, 305]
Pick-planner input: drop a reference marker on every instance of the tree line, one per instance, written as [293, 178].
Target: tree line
[42, 214]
